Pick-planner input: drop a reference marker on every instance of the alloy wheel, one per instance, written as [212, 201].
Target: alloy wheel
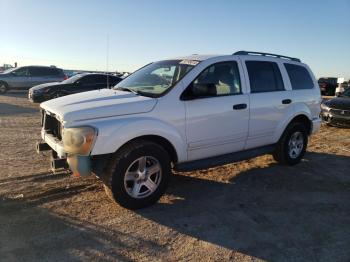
[295, 144]
[143, 177]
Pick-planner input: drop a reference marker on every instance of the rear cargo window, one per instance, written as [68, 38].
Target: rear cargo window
[299, 77]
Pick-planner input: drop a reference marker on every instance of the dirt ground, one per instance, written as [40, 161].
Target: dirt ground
[249, 211]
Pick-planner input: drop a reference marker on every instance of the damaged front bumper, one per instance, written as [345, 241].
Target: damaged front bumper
[79, 165]
[336, 119]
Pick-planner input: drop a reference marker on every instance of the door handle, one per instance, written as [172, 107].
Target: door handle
[286, 101]
[239, 106]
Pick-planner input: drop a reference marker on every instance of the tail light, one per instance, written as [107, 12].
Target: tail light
[65, 77]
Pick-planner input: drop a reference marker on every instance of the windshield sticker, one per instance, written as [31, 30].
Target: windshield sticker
[189, 62]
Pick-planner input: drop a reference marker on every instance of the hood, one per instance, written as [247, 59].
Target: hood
[98, 104]
[339, 103]
[43, 86]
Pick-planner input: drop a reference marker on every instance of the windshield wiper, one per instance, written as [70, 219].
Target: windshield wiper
[136, 92]
[127, 90]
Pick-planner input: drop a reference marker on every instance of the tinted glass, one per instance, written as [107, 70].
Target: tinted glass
[89, 79]
[73, 79]
[113, 80]
[102, 79]
[54, 71]
[37, 71]
[221, 78]
[264, 76]
[299, 77]
[21, 71]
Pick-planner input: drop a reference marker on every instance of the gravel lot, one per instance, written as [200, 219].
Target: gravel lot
[249, 211]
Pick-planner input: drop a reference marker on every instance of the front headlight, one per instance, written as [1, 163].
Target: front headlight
[78, 140]
[324, 107]
[38, 91]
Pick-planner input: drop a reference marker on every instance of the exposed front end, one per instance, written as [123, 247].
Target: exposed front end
[335, 117]
[70, 147]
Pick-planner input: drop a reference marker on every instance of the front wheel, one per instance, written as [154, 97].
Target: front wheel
[138, 174]
[291, 147]
[3, 87]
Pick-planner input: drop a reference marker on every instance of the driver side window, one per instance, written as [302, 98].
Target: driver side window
[21, 72]
[220, 79]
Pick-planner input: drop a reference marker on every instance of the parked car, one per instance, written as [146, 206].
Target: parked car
[23, 78]
[75, 84]
[186, 113]
[336, 111]
[328, 85]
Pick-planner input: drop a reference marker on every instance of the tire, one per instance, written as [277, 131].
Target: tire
[128, 183]
[294, 139]
[3, 87]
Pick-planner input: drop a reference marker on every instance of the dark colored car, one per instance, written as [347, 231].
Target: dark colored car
[23, 78]
[75, 84]
[336, 111]
[328, 85]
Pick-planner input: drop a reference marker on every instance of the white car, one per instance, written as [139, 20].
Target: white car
[184, 114]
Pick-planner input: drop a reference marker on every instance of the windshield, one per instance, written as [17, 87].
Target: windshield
[73, 79]
[10, 70]
[156, 78]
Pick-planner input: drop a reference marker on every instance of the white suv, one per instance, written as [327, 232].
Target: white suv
[184, 114]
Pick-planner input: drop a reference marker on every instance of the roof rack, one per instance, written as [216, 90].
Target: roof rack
[266, 54]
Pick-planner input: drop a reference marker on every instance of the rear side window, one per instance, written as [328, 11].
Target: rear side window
[54, 71]
[44, 71]
[264, 76]
[94, 79]
[299, 77]
[37, 71]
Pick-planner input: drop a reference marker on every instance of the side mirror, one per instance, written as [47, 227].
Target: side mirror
[201, 90]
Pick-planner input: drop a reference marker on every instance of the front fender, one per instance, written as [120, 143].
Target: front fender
[111, 136]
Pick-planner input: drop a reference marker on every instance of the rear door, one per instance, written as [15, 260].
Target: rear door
[54, 75]
[38, 75]
[216, 120]
[270, 101]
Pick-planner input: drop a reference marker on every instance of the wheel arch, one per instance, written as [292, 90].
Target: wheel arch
[6, 84]
[111, 139]
[302, 118]
[163, 142]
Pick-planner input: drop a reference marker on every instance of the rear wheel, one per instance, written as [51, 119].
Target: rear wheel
[138, 174]
[292, 145]
[3, 87]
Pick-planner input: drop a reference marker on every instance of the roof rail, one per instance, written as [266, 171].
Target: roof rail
[266, 54]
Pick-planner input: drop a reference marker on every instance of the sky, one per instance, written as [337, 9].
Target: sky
[124, 35]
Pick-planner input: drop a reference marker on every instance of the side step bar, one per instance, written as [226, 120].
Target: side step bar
[223, 159]
[40, 147]
[59, 164]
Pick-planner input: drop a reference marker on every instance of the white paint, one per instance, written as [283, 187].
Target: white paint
[196, 128]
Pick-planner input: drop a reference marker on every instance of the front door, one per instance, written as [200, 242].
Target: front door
[217, 112]
[20, 78]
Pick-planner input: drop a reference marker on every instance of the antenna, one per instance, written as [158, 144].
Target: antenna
[107, 60]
